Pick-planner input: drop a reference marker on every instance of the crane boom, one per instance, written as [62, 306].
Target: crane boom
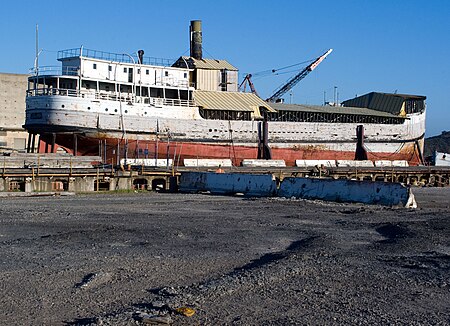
[247, 79]
[294, 80]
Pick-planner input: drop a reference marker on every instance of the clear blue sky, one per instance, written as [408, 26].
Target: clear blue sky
[379, 45]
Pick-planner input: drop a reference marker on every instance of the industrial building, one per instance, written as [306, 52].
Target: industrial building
[12, 112]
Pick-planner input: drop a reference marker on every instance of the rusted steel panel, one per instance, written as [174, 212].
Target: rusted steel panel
[255, 185]
[368, 192]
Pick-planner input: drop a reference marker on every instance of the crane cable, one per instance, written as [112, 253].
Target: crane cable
[277, 71]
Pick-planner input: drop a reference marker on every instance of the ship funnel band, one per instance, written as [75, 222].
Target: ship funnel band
[196, 39]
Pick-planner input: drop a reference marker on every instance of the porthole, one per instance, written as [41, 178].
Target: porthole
[126, 111]
[145, 112]
[89, 107]
[63, 106]
[115, 110]
[210, 130]
[106, 109]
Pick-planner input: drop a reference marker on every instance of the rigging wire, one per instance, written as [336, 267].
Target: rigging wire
[182, 54]
[212, 57]
[278, 71]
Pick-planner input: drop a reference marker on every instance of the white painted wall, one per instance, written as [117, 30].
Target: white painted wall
[143, 75]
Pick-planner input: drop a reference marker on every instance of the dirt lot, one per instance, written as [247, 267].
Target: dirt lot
[127, 259]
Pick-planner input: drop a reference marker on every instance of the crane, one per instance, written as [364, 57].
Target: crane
[247, 79]
[279, 92]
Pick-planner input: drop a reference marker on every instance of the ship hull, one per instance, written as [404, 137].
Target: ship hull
[113, 147]
[180, 132]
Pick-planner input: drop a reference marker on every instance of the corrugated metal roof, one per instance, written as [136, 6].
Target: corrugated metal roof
[386, 102]
[208, 64]
[231, 101]
[331, 109]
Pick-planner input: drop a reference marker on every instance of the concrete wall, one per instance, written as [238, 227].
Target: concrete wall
[264, 163]
[214, 163]
[48, 160]
[263, 185]
[228, 183]
[12, 111]
[368, 192]
[125, 181]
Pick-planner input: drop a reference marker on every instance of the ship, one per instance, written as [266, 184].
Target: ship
[131, 106]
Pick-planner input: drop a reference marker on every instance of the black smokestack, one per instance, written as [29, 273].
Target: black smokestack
[141, 56]
[196, 39]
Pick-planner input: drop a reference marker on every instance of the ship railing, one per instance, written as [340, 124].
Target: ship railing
[121, 97]
[115, 57]
[172, 82]
[109, 96]
[54, 71]
[49, 91]
[160, 102]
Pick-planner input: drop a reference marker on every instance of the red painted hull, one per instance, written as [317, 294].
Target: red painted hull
[112, 149]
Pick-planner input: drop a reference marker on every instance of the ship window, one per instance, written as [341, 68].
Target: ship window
[106, 109]
[223, 83]
[126, 111]
[89, 107]
[185, 75]
[184, 95]
[171, 93]
[94, 66]
[166, 73]
[139, 71]
[115, 110]
[109, 68]
[156, 92]
[147, 72]
[62, 106]
[124, 69]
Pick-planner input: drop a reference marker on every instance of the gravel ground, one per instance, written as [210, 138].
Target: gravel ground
[134, 259]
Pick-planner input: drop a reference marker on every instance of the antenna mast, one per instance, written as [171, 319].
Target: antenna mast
[36, 62]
